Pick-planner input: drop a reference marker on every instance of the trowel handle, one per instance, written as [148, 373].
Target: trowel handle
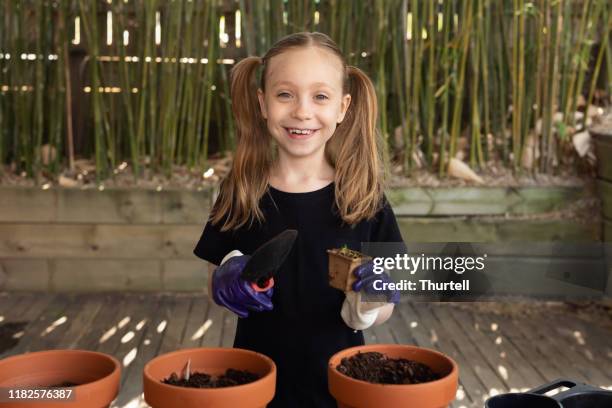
[268, 284]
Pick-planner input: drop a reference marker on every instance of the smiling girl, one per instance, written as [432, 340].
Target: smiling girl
[307, 159]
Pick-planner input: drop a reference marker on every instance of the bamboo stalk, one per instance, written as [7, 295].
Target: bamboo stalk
[548, 151]
[458, 104]
[446, 62]
[68, 84]
[126, 94]
[572, 89]
[39, 84]
[484, 47]
[91, 32]
[430, 111]
[475, 149]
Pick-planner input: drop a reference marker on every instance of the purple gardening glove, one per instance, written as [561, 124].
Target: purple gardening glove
[365, 283]
[235, 293]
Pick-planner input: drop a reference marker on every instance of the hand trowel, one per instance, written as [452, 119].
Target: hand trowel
[267, 260]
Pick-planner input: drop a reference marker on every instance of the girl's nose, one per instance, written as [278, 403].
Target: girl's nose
[303, 109]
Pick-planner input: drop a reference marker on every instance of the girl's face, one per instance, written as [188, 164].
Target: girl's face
[303, 102]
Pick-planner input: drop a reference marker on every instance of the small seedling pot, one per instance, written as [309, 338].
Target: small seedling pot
[352, 393]
[341, 268]
[214, 361]
[96, 374]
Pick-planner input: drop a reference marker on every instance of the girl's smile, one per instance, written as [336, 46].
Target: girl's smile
[301, 134]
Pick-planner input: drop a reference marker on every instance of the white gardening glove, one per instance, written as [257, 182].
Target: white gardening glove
[359, 315]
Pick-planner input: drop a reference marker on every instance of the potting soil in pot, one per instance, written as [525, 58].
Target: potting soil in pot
[378, 368]
[202, 380]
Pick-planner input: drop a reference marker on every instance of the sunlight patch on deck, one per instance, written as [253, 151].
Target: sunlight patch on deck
[127, 337]
[202, 330]
[162, 326]
[123, 322]
[141, 324]
[109, 333]
[54, 325]
[130, 356]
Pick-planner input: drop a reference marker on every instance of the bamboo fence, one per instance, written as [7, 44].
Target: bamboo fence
[145, 82]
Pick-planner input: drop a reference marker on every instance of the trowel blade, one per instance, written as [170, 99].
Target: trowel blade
[269, 257]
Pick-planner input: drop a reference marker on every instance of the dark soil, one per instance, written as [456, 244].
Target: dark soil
[202, 380]
[379, 369]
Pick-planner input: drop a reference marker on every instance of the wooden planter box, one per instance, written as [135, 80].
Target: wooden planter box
[75, 240]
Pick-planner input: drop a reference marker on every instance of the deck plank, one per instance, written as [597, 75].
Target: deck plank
[383, 334]
[422, 337]
[440, 338]
[400, 328]
[40, 312]
[592, 373]
[522, 375]
[57, 326]
[131, 352]
[103, 322]
[497, 360]
[196, 326]
[587, 339]
[119, 323]
[176, 313]
[131, 391]
[540, 358]
[81, 322]
[230, 320]
[214, 317]
[478, 362]
[542, 342]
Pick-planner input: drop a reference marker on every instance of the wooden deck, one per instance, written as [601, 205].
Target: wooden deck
[499, 347]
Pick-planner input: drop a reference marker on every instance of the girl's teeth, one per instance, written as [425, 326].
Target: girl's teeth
[300, 132]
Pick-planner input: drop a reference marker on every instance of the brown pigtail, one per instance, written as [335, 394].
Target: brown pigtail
[240, 192]
[359, 169]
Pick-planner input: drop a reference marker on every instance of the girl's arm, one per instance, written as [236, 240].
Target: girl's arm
[384, 314]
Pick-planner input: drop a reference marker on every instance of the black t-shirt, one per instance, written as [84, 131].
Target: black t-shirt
[305, 328]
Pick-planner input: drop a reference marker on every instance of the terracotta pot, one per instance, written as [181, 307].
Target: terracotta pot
[341, 268]
[352, 393]
[211, 361]
[98, 375]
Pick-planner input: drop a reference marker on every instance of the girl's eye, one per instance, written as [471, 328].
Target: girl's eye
[284, 95]
[321, 97]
